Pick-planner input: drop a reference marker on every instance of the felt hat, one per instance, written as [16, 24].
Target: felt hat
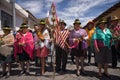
[6, 28]
[77, 21]
[114, 18]
[42, 22]
[63, 22]
[24, 25]
[101, 21]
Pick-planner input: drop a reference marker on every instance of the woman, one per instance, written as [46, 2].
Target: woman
[6, 50]
[102, 40]
[90, 28]
[36, 30]
[43, 41]
[24, 46]
[78, 36]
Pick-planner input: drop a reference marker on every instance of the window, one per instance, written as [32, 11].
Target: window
[6, 19]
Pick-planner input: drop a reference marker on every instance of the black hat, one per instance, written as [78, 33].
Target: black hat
[6, 28]
[63, 22]
[77, 21]
[42, 22]
[114, 18]
[101, 21]
[24, 25]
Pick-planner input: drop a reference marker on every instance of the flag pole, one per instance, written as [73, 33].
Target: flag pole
[53, 11]
[52, 31]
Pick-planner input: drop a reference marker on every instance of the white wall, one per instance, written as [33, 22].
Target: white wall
[19, 20]
[20, 13]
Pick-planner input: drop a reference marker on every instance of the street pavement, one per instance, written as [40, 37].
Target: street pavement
[91, 73]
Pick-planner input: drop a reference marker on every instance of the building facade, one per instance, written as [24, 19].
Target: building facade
[113, 11]
[21, 15]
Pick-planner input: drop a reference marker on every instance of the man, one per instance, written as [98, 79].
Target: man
[115, 29]
[61, 54]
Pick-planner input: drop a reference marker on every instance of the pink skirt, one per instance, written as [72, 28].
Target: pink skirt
[42, 52]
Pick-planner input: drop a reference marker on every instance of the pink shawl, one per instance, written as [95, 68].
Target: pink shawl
[28, 47]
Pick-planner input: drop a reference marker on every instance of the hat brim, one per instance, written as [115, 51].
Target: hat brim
[6, 28]
[76, 23]
[23, 27]
[115, 20]
[91, 23]
[42, 23]
[102, 22]
[63, 23]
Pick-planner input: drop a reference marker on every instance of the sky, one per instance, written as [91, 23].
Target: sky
[68, 10]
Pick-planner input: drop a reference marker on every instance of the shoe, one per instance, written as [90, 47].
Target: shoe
[27, 73]
[107, 75]
[4, 74]
[82, 72]
[22, 72]
[64, 70]
[100, 77]
[73, 62]
[113, 67]
[58, 70]
[89, 64]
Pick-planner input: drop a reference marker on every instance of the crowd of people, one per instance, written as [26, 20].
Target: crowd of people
[99, 39]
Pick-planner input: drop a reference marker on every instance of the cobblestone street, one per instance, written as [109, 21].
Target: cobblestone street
[91, 73]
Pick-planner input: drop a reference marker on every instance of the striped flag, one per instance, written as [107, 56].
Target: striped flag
[61, 37]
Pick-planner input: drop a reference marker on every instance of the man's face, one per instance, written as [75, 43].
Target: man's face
[62, 26]
[76, 26]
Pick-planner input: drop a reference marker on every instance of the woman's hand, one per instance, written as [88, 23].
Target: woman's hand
[97, 50]
[75, 40]
[21, 44]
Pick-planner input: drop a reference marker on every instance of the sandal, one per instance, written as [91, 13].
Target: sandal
[78, 73]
